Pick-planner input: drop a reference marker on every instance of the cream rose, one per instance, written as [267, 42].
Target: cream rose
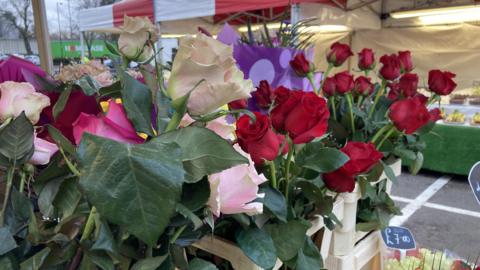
[135, 38]
[204, 58]
[18, 97]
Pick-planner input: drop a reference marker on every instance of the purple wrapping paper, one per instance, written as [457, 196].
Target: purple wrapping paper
[228, 35]
[11, 69]
[273, 65]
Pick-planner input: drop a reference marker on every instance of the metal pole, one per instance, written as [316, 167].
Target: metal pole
[70, 19]
[41, 33]
[59, 32]
[295, 14]
[82, 50]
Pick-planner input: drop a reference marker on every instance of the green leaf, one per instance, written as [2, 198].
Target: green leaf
[61, 140]
[417, 164]
[258, 246]
[101, 260]
[404, 153]
[195, 196]
[16, 142]
[136, 186]
[68, 197]
[61, 102]
[137, 101]
[111, 91]
[17, 213]
[321, 159]
[389, 172]
[199, 264]
[367, 226]
[105, 241]
[89, 85]
[46, 197]
[204, 152]
[56, 169]
[7, 242]
[185, 212]
[36, 261]
[112, 48]
[309, 257]
[8, 263]
[275, 202]
[288, 238]
[164, 105]
[149, 263]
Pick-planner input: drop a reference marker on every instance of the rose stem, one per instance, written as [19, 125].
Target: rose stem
[312, 82]
[287, 167]
[89, 225]
[10, 173]
[379, 133]
[377, 98]
[360, 101]
[350, 106]
[334, 110]
[22, 181]
[389, 133]
[273, 172]
[325, 75]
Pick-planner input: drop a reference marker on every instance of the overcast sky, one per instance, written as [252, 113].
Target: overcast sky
[51, 7]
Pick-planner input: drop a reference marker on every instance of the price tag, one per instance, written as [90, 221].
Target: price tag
[474, 180]
[398, 238]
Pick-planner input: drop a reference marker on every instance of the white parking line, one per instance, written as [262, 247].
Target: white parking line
[420, 201]
[442, 207]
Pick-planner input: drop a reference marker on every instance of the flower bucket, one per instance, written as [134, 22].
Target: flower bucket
[350, 247]
[231, 252]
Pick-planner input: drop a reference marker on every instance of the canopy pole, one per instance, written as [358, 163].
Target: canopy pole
[82, 50]
[295, 14]
[42, 35]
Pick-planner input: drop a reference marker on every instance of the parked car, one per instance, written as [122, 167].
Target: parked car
[33, 58]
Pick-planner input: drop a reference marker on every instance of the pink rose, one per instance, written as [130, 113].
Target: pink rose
[234, 189]
[18, 97]
[115, 126]
[44, 150]
[220, 126]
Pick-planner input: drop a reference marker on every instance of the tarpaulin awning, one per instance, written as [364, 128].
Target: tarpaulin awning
[107, 17]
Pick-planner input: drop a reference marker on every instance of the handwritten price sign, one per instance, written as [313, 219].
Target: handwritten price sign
[398, 238]
[474, 180]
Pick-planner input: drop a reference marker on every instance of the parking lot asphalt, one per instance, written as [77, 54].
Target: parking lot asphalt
[440, 210]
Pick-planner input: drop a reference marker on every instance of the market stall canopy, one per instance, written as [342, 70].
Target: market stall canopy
[106, 18]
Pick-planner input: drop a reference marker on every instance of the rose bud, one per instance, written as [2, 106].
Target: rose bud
[238, 104]
[394, 92]
[338, 54]
[281, 94]
[405, 59]
[257, 138]
[408, 84]
[409, 114]
[366, 59]
[440, 82]
[301, 65]
[263, 95]
[344, 82]
[308, 119]
[363, 86]
[391, 67]
[339, 181]
[329, 86]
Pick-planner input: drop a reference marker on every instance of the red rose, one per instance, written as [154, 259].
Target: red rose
[263, 95]
[344, 82]
[77, 103]
[405, 59]
[366, 59]
[408, 84]
[238, 104]
[281, 94]
[308, 119]
[338, 54]
[339, 181]
[409, 114]
[363, 157]
[257, 138]
[394, 92]
[283, 108]
[435, 114]
[391, 67]
[301, 65]
[329, 86]
[363, 86]
[440, 82]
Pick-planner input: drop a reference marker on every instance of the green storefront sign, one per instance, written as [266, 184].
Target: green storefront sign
[72, 49]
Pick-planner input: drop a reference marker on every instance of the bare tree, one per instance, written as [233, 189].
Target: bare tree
[18, 14]
[89, 37]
